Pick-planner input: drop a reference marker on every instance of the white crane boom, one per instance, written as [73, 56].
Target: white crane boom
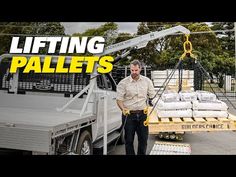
[143, 40]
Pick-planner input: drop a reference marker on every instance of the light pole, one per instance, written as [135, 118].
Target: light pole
[235, 60]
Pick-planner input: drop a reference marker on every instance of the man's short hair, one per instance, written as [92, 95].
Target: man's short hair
[136, 62]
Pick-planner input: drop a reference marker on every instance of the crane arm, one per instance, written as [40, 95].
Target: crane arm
[142, 41]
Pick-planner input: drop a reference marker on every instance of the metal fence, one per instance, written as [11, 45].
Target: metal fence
[194, 80]
[38, 82]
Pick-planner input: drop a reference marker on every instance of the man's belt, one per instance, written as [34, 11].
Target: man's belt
[136, 111]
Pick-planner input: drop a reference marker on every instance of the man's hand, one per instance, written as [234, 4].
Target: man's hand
[125, 112]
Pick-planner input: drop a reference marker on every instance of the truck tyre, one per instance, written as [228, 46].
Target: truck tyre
[85, 144]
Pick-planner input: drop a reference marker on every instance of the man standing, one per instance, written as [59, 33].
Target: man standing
[132, 94]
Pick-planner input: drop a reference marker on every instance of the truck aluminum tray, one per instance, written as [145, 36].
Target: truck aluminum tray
[33, 129]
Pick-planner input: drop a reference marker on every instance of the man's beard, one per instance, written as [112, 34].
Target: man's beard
[134, 75]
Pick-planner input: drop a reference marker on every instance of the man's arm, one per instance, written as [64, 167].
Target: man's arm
[120, 97]
[120, 104]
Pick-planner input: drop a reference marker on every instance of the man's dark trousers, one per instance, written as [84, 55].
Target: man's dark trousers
[134, 123]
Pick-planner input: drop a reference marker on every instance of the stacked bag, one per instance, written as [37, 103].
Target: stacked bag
[170, 105]
[207, 105]
[190, 104]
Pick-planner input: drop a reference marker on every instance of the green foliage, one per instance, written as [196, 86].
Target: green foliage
[226, 38]
[109, 31]
[10, 29]
[122, 37]
[224, 64]
[214, 52]
[151, 53]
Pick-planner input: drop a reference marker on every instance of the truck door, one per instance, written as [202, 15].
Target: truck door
[114, 110]
[107, 83]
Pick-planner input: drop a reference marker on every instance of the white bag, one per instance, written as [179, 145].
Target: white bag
[206, 96]
[170, 96]
[218, 114]
[174, 113]
[161, 105]
[210, 106]
[188, 96]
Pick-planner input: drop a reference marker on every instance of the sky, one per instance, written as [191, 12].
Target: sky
[75, 27]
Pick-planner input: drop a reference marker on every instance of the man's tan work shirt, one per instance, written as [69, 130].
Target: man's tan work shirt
[134, 93]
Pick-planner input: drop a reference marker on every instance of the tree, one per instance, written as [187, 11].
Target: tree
[225, 62]
[123, 37]
[154, 48]
[109, 31]
[9, 29]
[226, 38]
[223, 65]
[164, 52]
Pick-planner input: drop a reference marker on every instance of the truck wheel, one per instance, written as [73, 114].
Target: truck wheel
[85, 144]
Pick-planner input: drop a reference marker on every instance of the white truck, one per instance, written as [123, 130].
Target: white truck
[63, 113]
[40, 115]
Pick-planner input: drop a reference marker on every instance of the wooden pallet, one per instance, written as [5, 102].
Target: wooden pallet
[189, 124]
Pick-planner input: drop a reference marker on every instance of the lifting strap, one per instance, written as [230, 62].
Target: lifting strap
[187, 52]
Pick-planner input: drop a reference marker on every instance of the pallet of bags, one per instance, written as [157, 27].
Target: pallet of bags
[207, 105]
[170, 105]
